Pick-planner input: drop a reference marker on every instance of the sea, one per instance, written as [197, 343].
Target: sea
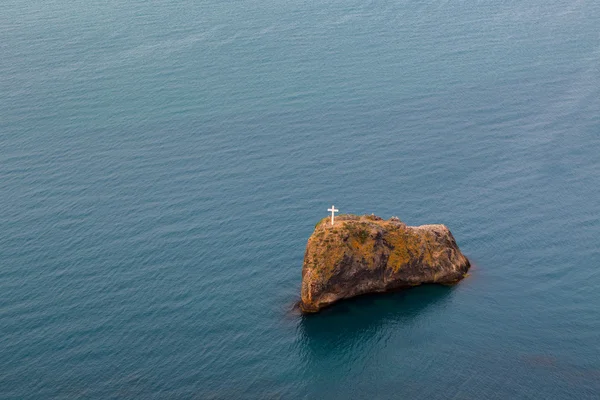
[163, 163]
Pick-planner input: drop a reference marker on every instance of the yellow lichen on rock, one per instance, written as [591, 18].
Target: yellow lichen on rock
[400, 253]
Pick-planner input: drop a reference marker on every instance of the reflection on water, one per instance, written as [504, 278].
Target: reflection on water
[356, 322]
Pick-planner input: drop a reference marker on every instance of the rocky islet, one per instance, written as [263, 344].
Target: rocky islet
[367, 254]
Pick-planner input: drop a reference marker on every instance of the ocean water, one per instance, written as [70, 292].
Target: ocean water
[162, 164]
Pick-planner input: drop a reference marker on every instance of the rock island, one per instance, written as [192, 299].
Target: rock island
[367, 254]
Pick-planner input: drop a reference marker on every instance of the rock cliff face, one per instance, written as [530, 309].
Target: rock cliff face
[367, 254]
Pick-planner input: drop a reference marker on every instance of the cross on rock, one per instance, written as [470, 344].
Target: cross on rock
[333, 211]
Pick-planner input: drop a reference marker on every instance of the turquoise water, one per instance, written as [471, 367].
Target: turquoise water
[162, 165]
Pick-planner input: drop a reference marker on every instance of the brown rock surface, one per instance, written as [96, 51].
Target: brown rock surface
[367, 254]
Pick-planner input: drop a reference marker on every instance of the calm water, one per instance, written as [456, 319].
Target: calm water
[162, 164]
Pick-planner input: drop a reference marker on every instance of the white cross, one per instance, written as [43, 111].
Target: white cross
[333, 211]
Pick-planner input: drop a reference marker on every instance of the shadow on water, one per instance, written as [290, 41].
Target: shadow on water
[360, 319]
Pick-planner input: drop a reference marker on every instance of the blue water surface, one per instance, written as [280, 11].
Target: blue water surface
[162, 164]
